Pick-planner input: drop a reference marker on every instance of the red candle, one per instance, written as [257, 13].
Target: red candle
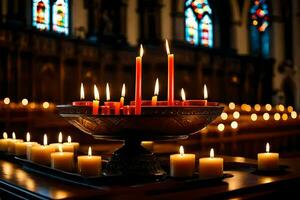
[117, 106]
[156, 91]
[138, 82]
[81, 102]
[122, 95]
[96, 101]
[170, 75]
[105, 110]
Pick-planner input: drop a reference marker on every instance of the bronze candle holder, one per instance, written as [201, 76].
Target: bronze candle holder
[155, 123]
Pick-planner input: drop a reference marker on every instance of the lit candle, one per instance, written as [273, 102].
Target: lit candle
[182, 165]
[62, 160]
[210, 167]
[122, 99]
[4, 142]
[156, 91]
[11, 143]
[42, 154]
[21, 147]
[82, 96]
[138, 82]
[205, 94]
[268, 161]
[96, 101]
[170, 75]
[59, 143]
[70, 146]
[183, 97]
[107, 103]
[89, 165]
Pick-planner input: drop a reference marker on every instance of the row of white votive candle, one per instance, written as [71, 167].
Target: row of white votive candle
[183, 165]
[58, 155]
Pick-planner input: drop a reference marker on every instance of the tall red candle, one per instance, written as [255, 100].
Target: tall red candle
[170, 75]
[138, 82]
[96, 101]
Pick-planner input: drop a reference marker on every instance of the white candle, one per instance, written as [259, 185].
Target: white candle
[268, 161]
[182, 165]
[59, 143]
[21, 147]
[4, 142]
[42, 154]
[11, 143]
[89, 165]
[62, 160]
[70, 146]
[210, 167]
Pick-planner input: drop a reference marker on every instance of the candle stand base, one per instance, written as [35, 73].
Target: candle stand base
[154, 124]
[134, 160]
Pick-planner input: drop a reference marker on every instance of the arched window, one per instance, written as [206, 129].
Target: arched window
[259, 28]
[198, 23]
[41, 14]
[60, 16]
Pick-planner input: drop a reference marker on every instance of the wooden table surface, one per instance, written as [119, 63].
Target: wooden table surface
[16, 182]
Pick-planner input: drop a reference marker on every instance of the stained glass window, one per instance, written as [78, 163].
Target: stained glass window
[198, 23]
[41, 14]
[259, 28]
[60, 16]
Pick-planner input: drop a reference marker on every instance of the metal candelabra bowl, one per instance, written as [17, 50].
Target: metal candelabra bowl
[155, 123]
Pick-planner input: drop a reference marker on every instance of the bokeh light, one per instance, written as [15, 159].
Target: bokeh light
[46, 105]
[276, 116]
[221, 127]
[266, 116]
[24, 102]
[253, 117]
[236, 115]
[6, 100]
[234, 125]
[231, 106]
[224, 116]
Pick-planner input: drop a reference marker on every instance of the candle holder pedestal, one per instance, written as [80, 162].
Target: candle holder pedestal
[155, 123]
[133, 159]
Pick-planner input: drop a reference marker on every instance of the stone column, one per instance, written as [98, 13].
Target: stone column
[132, 18]
[296, 47]
[178, 20]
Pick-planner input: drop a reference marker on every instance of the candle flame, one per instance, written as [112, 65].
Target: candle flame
[167, 47]
[96, 93]
[28, 137]
[60, 139]
[156, 88]
[69, 139]
[45, 140]
[13, 135]
[81, 91]
[90, 151]
[211, 153]
[123, 90]
[60, 148]
[267, 147]
[205, 94]
[107, 92]
[183, 94]
[181, 150]
[141, 51]
[5, 135]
